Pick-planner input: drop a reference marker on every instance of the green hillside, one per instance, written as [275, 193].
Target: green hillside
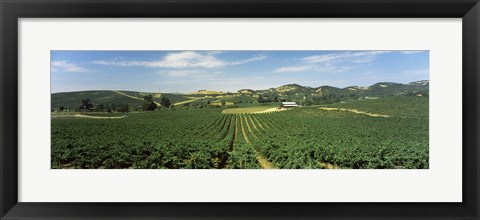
[399, 106]
[72, 100]
[303, 95]
[330, 94]
[240, 99]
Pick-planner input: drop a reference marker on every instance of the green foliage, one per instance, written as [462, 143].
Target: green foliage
[71, 99]
[123, 108]
[343, 139]
[165, 102]
[183, 139]
[148, 103]
[311, 137]
[240, 99]
[100, 108]
[399, 106]
[86, 105]
[306, 137]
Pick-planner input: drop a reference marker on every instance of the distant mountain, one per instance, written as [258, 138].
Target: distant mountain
[420, 83]
[377, 89]
[206, 92]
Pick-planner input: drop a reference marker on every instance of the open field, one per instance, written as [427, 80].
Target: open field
[337, 136]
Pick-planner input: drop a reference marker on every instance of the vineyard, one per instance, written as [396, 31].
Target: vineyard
[300, 138]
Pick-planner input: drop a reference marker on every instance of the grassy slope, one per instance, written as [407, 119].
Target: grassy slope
[73, 99]
[333, 137]
[399, 106]
[240, 99]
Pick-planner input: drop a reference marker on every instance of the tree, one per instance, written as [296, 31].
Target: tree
[148, 98]
[113, 107]
[318, 100]
[86, 105]
[165, 102]
[260, 99]
[223, 102]
[308, 102]
[61, 108]
[100, 107]
[148, 103]
[273, 97]
[123, 108]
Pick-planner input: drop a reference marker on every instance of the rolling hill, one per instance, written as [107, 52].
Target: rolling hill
[377, 89]
[289, 92]
[72, 100]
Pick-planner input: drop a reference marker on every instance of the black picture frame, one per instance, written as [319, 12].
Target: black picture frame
[12, 10]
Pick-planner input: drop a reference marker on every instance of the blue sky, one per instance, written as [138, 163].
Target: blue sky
[188, 71]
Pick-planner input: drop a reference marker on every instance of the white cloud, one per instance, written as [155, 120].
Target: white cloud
[354, 57]
[413, 51]
[190, 73]
[321, 58]
[188, 59]
[67, 66]
[185, 59]
[332, 62]
[213, 52]
[117, 61]
[292, 69]
[253, 59]
[179, 72]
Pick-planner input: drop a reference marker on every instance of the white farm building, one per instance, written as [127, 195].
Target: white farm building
[289, 105]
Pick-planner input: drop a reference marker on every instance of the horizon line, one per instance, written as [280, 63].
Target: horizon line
[230, 91]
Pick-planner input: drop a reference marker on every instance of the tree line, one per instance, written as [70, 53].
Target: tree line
[148, 105]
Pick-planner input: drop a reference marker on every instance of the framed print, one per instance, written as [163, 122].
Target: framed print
[224, 109]
[230, 88]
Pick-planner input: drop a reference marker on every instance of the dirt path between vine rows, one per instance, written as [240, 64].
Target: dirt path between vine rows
[235, 130]
[248, 126]
[264, 163]
[259, 124]
[253, 123]
[129, 96]
[133, 97]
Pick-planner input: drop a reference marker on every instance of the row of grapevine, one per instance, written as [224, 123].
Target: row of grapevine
[311, 138]
[243, 156]
[300, 138]
[196, 139]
